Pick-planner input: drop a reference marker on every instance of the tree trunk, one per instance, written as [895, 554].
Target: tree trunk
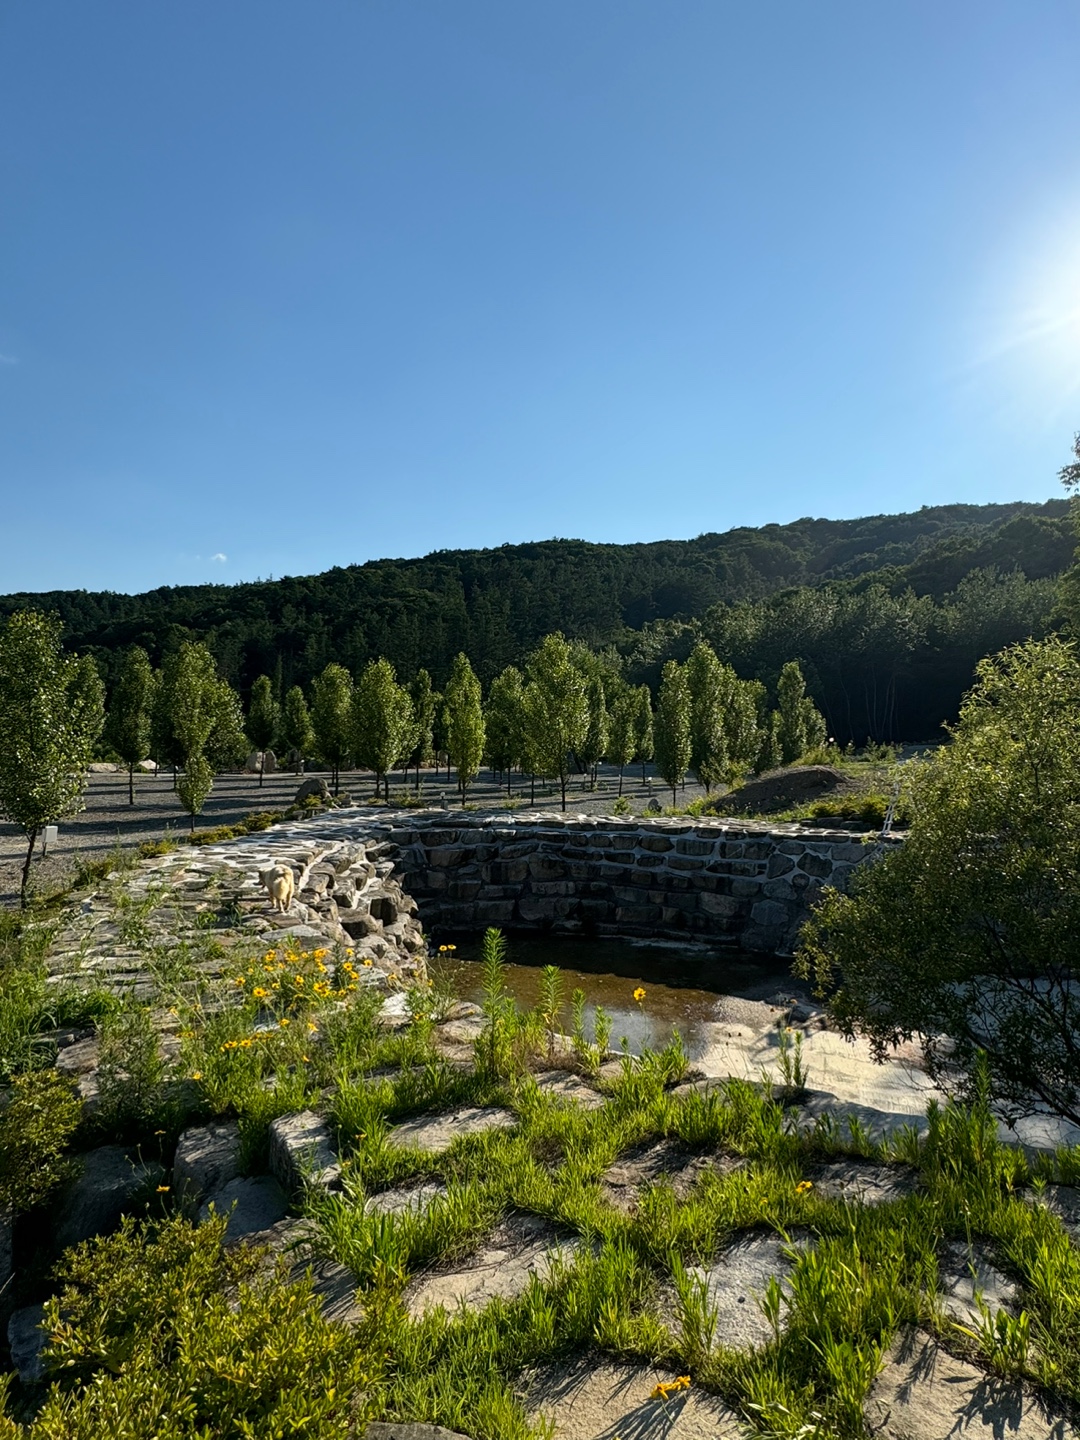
[643, 772]
[532, 793]
[673, 802]
[509, 779]
[262, 766]
[193, 822]
[620, 779]
[26, 867]
[562, 780]
[131, 784]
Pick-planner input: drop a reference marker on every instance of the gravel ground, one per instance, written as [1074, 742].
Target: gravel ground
[109, 821]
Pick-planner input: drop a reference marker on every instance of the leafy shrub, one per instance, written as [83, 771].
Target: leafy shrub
[161, 1334]
[131, 1072]
[34, 1133]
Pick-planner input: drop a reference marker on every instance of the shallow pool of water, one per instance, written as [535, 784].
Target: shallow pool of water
[684, 986]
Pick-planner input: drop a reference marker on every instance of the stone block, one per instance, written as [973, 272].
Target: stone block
[251, 1203]
[817, 865]
[779, 865]
[724, 906]
[694, 846]
[495, 912]
[207, 1157]
[684, 862]
[463, 889]
[659, 843]
[301, 1151]
[546, 867]
[96, 1199]
[770, 913]
[778, 890]
[27, 1341]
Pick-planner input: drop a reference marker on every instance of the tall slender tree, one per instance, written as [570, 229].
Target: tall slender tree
[673, 726]
[296, 728]
[263, 719]
[742, 735]
[227, 743]
[131, 708]
[643, 728]
[622, 743]
[47, 729]
[555, 709]
[382, 721]
[708, 745]
[790, 690]
[465, 734]
[594, 745]
[195, 785]
[503, 722]
[424, 702]
[331, 718]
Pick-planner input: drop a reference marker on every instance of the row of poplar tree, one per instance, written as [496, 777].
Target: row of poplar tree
[565, 711]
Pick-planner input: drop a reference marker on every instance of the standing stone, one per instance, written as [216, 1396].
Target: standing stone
[93, 1203]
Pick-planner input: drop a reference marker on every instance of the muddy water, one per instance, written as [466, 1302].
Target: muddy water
[684, 986]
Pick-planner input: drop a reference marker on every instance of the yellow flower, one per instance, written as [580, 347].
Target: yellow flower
[246, 1044]
[349, 950]
[639, 994]
[443, 949]
[229, 1045]
[366, 962]
[319, 954]
[667, 1388]
[196, 1074]
[240, 980]
[305, 1059]
[803, 1186]
[163, 1189]
[259, 993]
[451, 947]
[312, 1026]
[269, 956]
[283, 1021]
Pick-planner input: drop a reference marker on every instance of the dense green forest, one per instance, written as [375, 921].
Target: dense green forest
[887, 614]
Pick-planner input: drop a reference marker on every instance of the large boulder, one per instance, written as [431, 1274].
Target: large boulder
[781, 789]
[26, 1341]
[269, 763]
[313, 785]
[252, 1204]
[94, 1202]
[252, 763]
[301, 1151]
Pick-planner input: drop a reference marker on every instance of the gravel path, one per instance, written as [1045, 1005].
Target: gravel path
[109, 821]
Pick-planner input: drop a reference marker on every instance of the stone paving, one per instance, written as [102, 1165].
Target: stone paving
[593, 1398]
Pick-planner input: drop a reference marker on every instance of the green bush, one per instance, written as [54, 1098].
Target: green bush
[161, 1334]
[130, 1073]
[34, 1132]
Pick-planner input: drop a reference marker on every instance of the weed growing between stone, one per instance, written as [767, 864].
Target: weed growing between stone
[159, 1331]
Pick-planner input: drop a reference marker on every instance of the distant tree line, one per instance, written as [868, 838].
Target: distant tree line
[887, 616]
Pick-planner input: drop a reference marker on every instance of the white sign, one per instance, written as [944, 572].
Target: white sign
[49, 838]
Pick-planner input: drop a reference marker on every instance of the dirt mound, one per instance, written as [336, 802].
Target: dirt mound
[781, 789]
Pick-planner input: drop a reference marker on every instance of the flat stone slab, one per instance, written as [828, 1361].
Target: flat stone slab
[502, 1269]
[207, 1157]
[565, 1085]
[252, 1204]
[862, 1184]
[734, 1287]
[646, 1164]
[408, 1430]
[1064, 1202]
[924, 1393]
[591, 1398]
[333, 1286]
[434, 1133]
[411, 1199]
[962, 1273]
[302, 1152]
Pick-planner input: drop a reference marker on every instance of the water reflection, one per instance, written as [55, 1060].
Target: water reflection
[684, 987]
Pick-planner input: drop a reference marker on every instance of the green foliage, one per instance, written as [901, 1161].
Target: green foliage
[188, 701]
[708, 742]
[382, 720]
[673, 735]
[130, 1073]
[464, 720]
[790, 692]
[35, 1128]
[194, 785]
[131, 708]
[161, 1334]
[332, 718]
[503, 721]
[595, 744]
[50, 720]
[263, 717]
[622, 739]
[424, 703]
[643, 726]
[555, 710]
[968, 929]
[297, 730]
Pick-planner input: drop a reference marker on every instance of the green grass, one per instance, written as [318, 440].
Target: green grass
[159, 1331]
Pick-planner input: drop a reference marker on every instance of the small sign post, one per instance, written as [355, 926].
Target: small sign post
[48, 837]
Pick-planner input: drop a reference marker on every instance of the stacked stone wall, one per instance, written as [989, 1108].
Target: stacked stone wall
[740, 884]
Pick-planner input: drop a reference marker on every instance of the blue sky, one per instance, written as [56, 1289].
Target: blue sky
[289, 285]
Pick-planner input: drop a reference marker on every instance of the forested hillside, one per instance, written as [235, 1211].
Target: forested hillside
[888, 614]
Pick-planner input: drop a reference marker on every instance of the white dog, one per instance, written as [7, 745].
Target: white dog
[280, 885]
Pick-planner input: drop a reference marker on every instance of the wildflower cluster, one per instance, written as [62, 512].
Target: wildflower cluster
[667, 1388]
